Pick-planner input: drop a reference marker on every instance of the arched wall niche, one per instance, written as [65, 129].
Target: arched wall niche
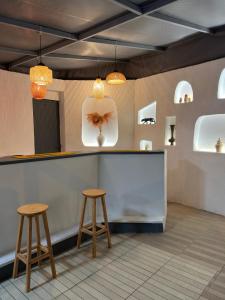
[208, 129]
[109, 130]
[183, 92]
[221, 86]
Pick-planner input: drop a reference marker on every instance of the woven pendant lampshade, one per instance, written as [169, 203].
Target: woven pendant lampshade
[115, 78]
[98, 89]
[41, 75]
[38, 91]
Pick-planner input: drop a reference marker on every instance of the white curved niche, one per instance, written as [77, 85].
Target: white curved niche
[109, 130]
[221, 86]
[148, 111]
[208, 129]
[183, 88]
[145, 145]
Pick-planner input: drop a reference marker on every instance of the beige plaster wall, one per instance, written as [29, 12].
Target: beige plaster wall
[16, 114]
[194, 178]
[74, 95]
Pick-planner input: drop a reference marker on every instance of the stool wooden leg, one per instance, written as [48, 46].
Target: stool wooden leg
[81, 222]
[29, 250]
[52, 262]
[18, 246]
[106, 221]
[94, 228]
[37, 225]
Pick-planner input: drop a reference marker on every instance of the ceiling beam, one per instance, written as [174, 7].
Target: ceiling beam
[134, 45]
[128, 5]
[61, 55]
[36, 27]
[18, 51]
[106, 25]
[110, 23]
[153, 7]
[180, 22]
[83, 57]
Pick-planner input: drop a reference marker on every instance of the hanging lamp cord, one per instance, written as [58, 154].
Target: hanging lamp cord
[40, 32]
[115, 58]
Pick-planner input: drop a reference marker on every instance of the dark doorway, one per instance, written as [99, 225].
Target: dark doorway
[46, 126]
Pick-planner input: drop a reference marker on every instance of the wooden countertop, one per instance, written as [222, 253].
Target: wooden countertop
[61, 155]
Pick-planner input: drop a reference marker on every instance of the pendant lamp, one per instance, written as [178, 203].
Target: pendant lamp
[115, 77]
[38, 91]
[41, 74]
[98, 88]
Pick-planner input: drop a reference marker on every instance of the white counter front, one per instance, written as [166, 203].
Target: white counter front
[135, 183]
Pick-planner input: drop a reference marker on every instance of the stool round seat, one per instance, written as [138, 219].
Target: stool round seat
[32, 209]
[94, 193]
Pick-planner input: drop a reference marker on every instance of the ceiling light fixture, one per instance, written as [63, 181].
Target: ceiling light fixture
[115, 77]
[98, 88]
[38, 91]
[41, 74]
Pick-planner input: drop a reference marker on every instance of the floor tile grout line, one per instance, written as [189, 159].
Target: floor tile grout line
[102, 266]
[149, 278]
[49, 281]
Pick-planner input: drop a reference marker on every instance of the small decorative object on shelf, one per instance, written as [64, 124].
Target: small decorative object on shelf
[181, 100]
[172, 139]
[185, 98]
[219, 146]
[98, 120]
[148, 121]
[146, 147]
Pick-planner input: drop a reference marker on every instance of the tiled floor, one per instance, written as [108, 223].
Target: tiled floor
[185, 262]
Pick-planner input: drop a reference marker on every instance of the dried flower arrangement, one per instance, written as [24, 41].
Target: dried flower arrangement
[98, 120]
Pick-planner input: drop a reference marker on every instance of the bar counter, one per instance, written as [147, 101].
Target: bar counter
[135, 182]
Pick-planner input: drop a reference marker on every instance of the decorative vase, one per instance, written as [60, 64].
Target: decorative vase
[172, 139]
[100, 138]
[219, 146]
[146, 147]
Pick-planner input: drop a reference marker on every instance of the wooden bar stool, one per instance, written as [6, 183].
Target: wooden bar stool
[91, 229]
[31, 211]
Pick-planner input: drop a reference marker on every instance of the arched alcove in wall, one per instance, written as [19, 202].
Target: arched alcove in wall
[221, 86]
[109, 129]
[183, 92]
[208, 129]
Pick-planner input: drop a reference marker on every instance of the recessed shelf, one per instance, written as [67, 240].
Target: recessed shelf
[183, 93]
[170, 120]
[148, 112]
[221, 86]
[208, 129]
[145, 145]
[109, 130]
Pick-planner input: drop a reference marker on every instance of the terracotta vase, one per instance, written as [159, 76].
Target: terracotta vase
[172, 139]
[100, 138]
